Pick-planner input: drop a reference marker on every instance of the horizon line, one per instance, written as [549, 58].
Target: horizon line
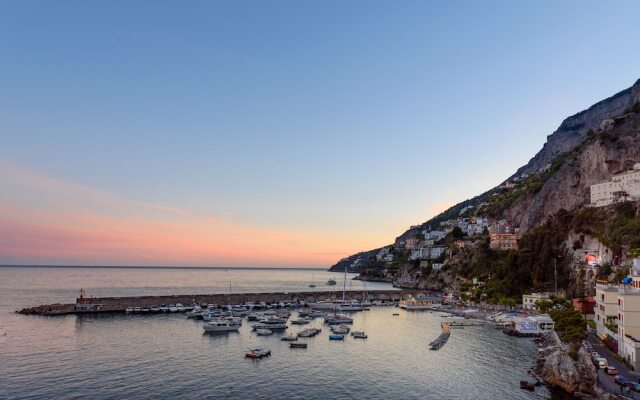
[152, 267]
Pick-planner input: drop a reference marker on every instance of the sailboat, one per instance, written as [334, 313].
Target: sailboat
[347, 306]
[312, 281]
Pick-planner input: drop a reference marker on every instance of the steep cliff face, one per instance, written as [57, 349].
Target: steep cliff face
[610, 151]
[573, 130]
[587, 148]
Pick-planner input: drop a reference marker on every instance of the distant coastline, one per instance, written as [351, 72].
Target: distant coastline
[163, 267]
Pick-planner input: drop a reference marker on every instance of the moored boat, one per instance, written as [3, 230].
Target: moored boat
[264, 332]
[309, 332]
[298, 345]
[359, 335]
[258, 353]
[195, 313]
[336, 337]
[334, 319]
[220, 326]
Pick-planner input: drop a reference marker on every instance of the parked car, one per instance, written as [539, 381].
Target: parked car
[634, 386]
[602, 363]
[621, 380]
[611, 370]
[595, 355]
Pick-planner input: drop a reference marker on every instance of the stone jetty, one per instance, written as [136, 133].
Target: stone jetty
[100, 305]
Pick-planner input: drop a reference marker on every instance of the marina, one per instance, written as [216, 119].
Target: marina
[126, 351]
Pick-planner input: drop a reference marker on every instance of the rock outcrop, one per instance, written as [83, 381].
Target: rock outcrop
[556, 367]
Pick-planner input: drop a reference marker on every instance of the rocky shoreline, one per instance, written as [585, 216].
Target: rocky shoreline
[557, 368]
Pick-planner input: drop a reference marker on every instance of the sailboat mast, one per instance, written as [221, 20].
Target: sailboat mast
[344, 284]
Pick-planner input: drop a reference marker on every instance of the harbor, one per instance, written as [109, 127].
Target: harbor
[103, 305]
[172, 349]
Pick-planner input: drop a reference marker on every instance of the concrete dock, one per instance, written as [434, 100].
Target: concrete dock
[103, 305]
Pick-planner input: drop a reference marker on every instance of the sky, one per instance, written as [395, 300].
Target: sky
[278, 133]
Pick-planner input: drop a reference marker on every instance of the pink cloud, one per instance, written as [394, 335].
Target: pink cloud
[50, 221]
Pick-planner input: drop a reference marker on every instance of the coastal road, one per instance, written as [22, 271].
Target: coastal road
[607, 381]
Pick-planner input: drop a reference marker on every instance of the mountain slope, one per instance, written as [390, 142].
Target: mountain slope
[587, 148]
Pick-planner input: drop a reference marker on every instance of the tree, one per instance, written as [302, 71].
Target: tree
[544, 305]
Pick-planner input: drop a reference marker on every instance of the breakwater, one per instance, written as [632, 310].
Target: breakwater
[97, 305]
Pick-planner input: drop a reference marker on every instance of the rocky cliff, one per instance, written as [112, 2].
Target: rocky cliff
[574, 130]
[557, 368]
[587, 148]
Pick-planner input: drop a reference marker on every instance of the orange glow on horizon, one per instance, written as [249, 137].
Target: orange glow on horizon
[82, 225]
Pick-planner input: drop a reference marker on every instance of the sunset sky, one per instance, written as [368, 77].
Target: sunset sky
[277, 133]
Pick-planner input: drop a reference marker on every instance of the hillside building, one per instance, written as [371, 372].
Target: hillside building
[503, 241]
[621, 187]
[529, 300]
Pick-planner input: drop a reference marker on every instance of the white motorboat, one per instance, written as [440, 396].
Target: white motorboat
[264, 332]
[270, 325]
[180, 308]
[196, 312]
[173, 308]
[349, 307]
[155, 309]
[359, 335]
[334, 319]
[129, 310]
[212, 314]
[235, 320]
[220, 326]
[239, 311]
[164, 308]
[301, 321]
[309, 332]
[137, 310]
[289, 338]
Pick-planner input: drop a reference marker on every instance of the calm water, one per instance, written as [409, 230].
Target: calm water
[168, 356]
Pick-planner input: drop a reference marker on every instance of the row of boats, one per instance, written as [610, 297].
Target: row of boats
[171, 308]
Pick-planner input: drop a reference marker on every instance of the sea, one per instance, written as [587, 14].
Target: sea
[167, 356]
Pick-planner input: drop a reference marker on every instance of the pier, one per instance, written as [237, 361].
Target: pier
[442, 339]
[105, 305]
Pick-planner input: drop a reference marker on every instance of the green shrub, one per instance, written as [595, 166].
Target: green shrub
[569, 324]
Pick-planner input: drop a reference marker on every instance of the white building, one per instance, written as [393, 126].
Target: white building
[433, 235]
[617, 315]
[621, 187]
[534, 325]
[437, 266]
[384, 255]
[529, 300]
[437, 251]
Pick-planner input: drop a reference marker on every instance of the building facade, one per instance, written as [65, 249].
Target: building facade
[529, 300]
[504, 241]
[621, 187]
